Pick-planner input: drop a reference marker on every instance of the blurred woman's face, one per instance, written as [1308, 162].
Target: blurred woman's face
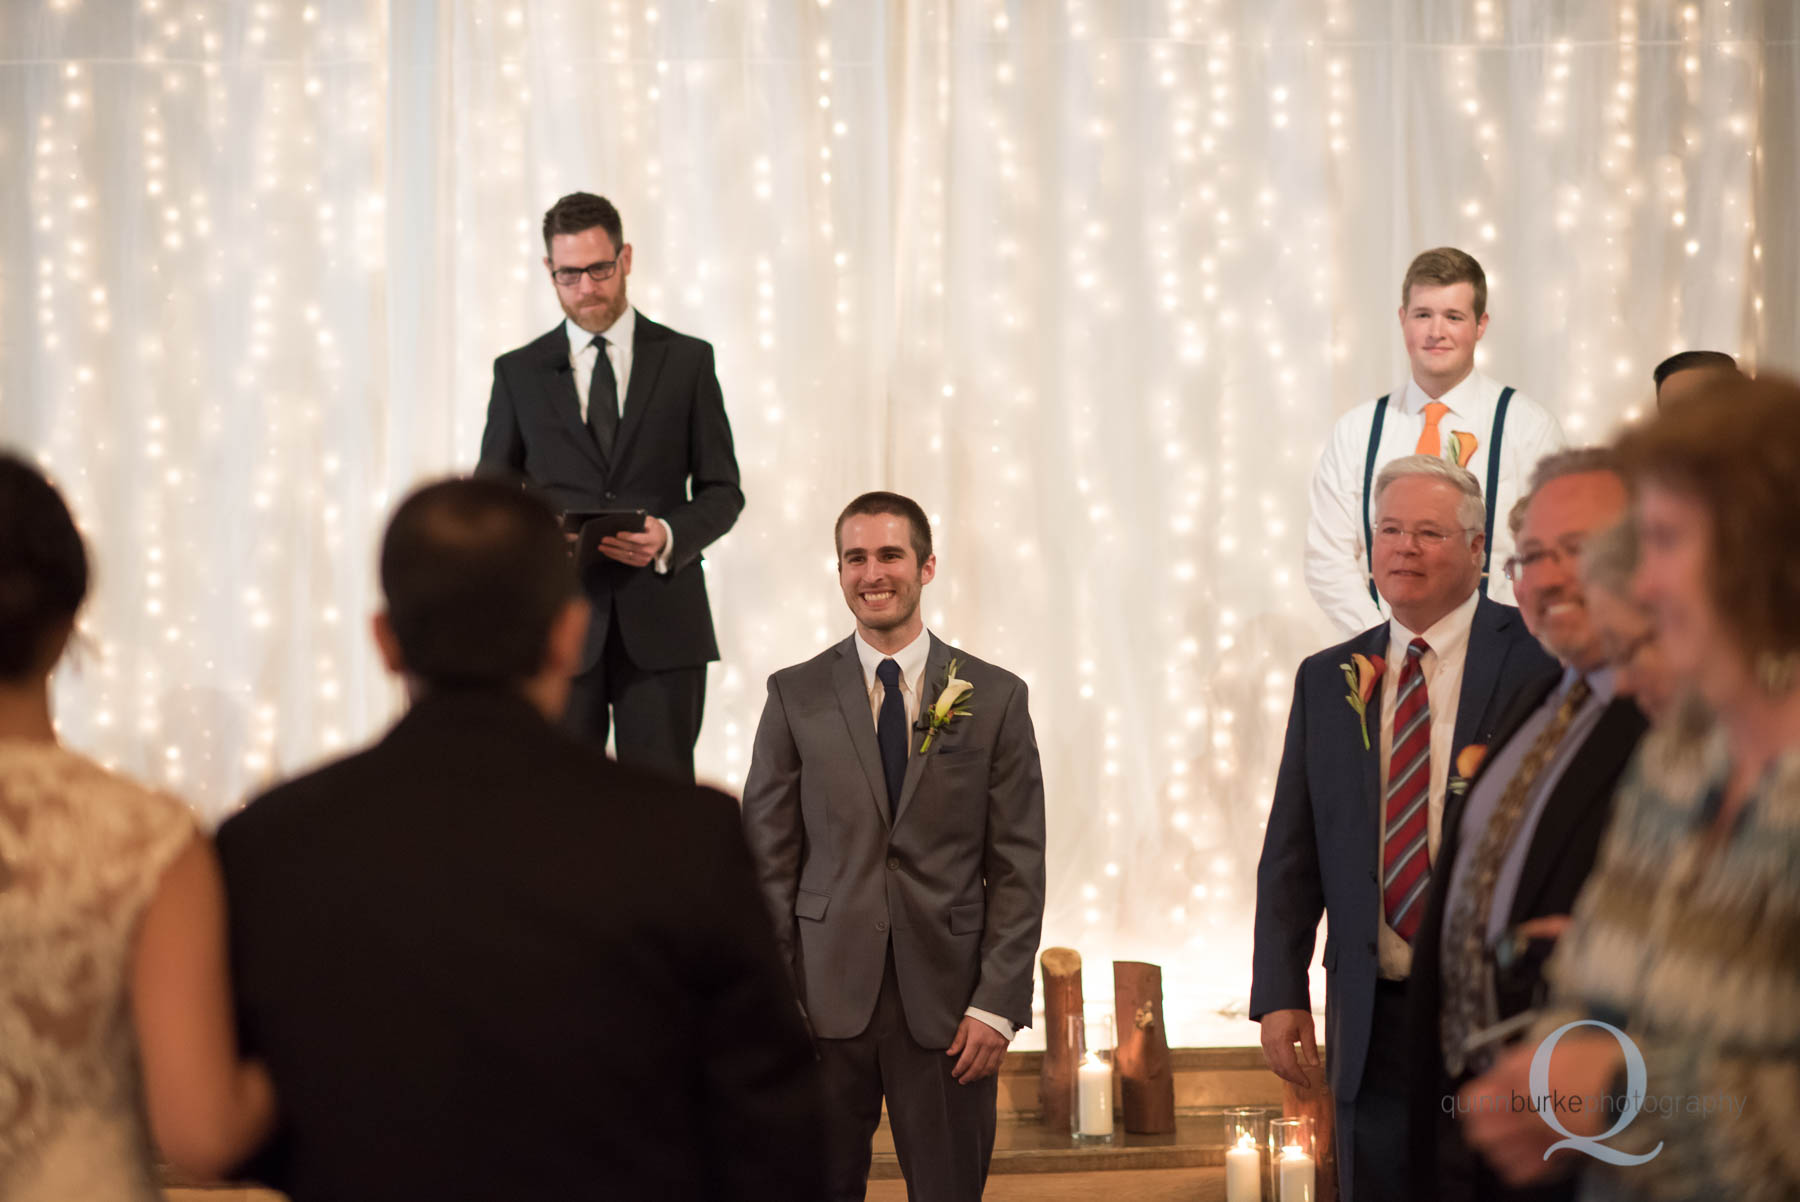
[1628, 638]
[1674, 557]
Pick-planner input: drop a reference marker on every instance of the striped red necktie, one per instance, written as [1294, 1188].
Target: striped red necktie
[1405, 849]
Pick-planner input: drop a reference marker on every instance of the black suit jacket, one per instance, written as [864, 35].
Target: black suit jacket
[1321, 849]
[1557, 864]
[484, 961]
[673, 457]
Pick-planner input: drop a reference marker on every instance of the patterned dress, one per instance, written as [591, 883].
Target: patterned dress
[81, 852]
[1692, 946]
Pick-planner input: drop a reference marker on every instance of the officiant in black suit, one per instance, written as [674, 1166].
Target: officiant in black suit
[610, 411]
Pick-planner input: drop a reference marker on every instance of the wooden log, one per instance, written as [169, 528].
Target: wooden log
[1062, 1001]
[1315, 1100]
[1146, 1075]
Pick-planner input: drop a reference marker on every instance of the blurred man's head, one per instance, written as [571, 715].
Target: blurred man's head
[1515, 521]
[480, 592]
[1575, 495]
[1429, 543]
[1689, 374]
[1625, 626]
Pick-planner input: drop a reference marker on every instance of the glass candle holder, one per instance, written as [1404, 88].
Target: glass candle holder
[1093, 1103]
[1245, 1144]
[1293, 1154]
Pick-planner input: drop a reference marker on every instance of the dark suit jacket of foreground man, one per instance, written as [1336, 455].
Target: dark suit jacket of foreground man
[483, 961]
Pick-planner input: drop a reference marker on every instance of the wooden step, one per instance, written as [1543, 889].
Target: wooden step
[1208, 1081]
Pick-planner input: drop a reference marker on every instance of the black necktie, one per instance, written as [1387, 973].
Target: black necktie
[890, 730]
[603, 399]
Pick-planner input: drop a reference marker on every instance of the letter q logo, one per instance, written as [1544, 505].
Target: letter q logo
[1636, 1076]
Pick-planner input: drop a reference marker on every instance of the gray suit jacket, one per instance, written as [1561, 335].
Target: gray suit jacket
[956, 880]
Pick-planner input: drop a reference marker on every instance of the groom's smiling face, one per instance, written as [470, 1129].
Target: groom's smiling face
[879, 570]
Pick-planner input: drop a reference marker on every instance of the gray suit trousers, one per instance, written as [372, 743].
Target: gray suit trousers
[943, 1130]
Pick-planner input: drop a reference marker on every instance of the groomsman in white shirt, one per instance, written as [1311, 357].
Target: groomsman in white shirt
[1445, 408]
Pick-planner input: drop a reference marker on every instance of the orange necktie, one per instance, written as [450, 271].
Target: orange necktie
[1429, 441]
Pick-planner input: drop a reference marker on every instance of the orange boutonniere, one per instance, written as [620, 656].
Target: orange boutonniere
[1361, 673]
[1461, 448]
[1468, 763]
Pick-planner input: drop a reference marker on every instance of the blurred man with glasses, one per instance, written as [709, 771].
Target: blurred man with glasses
[1520, 838]
[619, 423]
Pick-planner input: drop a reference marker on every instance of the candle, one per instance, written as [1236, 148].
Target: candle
[1095, 1115]
[1243, 1171]
[1296, 1175]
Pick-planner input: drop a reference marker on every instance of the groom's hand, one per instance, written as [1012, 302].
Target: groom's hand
[979, 1050]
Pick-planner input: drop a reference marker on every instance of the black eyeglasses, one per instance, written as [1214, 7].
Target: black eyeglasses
[568, 277]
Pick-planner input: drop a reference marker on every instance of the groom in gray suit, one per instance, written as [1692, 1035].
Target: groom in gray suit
[898, 833]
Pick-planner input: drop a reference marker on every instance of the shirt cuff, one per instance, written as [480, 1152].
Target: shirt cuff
[993, 1020]
[661, 563]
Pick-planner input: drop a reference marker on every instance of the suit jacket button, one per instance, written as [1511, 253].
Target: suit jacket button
[893, 864]
[881, 926]
[612, 496]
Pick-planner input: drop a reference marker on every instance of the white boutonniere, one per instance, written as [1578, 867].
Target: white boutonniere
[950, 705]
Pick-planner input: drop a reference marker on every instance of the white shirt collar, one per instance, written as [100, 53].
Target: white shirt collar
[911, 659]
[1447, 636]
[619, 333]
[1471, 399]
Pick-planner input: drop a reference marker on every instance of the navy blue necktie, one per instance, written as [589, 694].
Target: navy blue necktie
[890, 730]
[603, 399]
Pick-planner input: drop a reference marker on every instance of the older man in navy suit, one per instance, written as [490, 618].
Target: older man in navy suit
[1375, 726]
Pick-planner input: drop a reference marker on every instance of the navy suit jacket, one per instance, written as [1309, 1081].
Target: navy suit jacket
[1321, 852]
[673, 457]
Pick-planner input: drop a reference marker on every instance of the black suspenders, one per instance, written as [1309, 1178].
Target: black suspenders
[1368, 496]
[1493, 481]
[1491, 497]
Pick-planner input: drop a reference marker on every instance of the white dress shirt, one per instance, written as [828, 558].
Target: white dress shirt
[619, 347]
[911, 659]
[1337, 562]
[1448, 640]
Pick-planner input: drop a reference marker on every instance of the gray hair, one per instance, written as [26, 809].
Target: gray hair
[1576, 461]
[1471, 512]
[1609, 558]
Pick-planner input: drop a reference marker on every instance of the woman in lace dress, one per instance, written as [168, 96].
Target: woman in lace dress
[112, 926]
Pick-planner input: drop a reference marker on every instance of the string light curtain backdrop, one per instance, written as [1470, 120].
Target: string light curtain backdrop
[1090, 279]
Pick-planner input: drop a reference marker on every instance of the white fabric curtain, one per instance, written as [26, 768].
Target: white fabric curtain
[1090, 278]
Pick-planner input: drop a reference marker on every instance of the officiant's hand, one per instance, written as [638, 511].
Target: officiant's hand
[636, 549]
[979, 1049]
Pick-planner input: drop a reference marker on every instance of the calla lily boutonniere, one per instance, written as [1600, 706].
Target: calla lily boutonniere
[1461, 448]
[1362, 672]
[949, 706]
[1468, 763]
